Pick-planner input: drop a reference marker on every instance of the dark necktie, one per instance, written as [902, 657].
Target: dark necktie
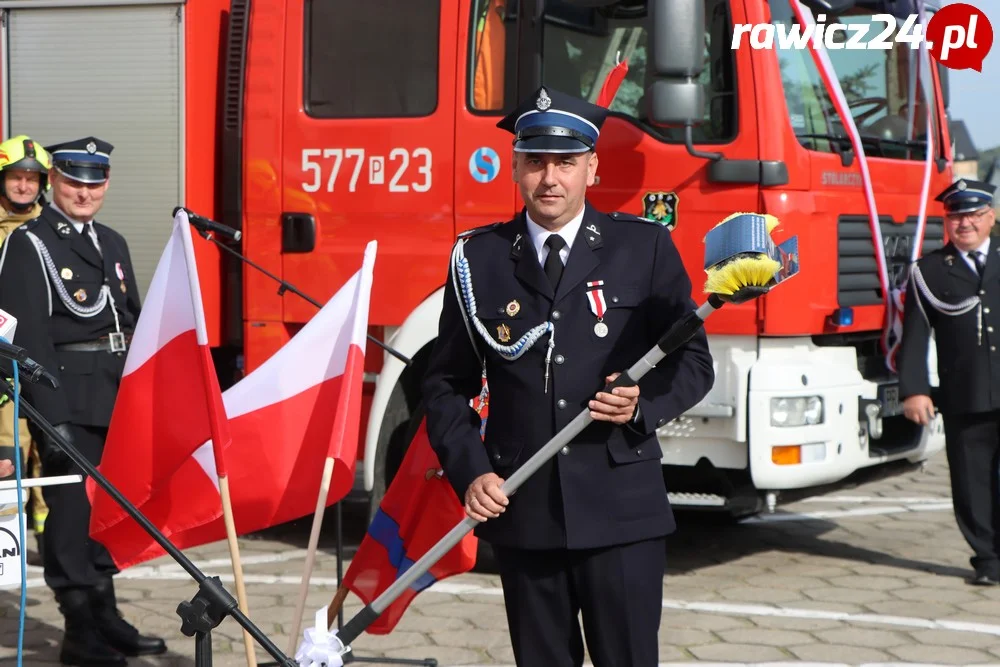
[978, 259]
[553, 263]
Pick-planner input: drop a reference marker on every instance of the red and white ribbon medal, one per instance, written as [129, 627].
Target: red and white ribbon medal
[598, 306]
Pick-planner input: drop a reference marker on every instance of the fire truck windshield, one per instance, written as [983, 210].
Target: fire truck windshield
[882, 88]
[581, 44]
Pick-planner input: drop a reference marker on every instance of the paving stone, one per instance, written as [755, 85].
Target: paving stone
[906, 608]
[954, 638]
[868, 582]
[445, 655]
[737, 653]
[850, 595]
[837, 652]
[868, 638]
[476, 639]
[947, 655]
[987, 608]
[764, 637]
[787, 623]
[789, 582]
[672, 619]
[760, 595]
[688, 637]
[923, 595]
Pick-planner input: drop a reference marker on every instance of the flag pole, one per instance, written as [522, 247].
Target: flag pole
[317, 524]
[216, 414]
[234, 556]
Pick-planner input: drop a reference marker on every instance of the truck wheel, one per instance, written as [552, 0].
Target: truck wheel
[398, 427]
[394, 439]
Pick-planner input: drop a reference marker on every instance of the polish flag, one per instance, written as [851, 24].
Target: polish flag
[169, 404]
[300, 407]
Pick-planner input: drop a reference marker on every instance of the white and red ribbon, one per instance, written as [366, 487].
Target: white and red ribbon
[598, 306]
[892, 327]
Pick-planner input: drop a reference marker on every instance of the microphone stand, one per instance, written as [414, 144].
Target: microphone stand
[285, 286]
[211, 604]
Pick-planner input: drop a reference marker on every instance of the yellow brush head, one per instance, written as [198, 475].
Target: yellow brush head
[740, 272]
[747, 270]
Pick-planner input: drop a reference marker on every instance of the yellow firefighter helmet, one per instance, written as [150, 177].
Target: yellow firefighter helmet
[21, 152]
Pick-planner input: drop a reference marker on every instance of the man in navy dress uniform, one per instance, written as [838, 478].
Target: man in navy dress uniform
[954, 292]
[552, 305]
[69, 281]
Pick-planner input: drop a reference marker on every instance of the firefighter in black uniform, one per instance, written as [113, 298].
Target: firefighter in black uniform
[557, 302]
[69, 281]
[954, 292]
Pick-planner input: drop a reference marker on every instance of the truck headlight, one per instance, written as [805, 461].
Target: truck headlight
[796, 411]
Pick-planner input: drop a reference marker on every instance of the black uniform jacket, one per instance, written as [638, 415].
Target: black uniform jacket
[607, 486]
[38, 278]
[968, 359]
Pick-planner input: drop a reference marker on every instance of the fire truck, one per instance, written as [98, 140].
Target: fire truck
[316, 126]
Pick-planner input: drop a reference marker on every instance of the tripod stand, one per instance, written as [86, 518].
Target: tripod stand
[211, 604]
[285, 286]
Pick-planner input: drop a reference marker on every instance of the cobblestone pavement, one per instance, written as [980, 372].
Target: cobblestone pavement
[866, 573]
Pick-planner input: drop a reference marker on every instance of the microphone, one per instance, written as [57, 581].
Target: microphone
[34, 372]
[31, 370]
[206, 225]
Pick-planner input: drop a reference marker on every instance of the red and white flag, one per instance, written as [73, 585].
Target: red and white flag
[168, 405]
[301, 406]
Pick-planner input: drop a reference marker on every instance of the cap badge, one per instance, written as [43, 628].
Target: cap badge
[961, 185]
[91, 147]
[544, 101]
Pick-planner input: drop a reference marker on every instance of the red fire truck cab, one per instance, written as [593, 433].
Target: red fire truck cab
[316, 126]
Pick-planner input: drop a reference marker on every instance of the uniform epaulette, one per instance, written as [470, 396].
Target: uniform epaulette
[29, 224]
[630, 217]
[475, 231]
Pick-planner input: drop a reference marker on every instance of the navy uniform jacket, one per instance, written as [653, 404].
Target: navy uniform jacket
[607, 487]
[36, 290]
[969, 371]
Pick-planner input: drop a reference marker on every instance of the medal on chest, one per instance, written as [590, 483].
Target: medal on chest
[598, 306]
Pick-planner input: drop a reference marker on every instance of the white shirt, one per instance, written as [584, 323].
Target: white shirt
[983, 251]
[539, 234]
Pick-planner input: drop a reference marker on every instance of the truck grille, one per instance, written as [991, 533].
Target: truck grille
[857, 275]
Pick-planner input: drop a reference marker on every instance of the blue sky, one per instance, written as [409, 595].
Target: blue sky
[975, 96]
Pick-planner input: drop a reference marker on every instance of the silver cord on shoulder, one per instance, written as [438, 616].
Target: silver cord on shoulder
[462, 279]
[55, 280]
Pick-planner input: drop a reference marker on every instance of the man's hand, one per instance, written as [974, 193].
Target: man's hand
[618, 406]
[6, 467]
[484, 499]
[919, 409]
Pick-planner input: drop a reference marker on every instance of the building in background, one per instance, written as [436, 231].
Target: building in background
[966, 155]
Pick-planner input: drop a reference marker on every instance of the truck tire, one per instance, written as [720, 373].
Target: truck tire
[398, 428]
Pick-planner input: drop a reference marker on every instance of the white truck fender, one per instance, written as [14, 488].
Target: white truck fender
[419, 329]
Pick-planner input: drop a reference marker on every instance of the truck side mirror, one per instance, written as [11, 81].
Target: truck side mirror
[677, 34]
